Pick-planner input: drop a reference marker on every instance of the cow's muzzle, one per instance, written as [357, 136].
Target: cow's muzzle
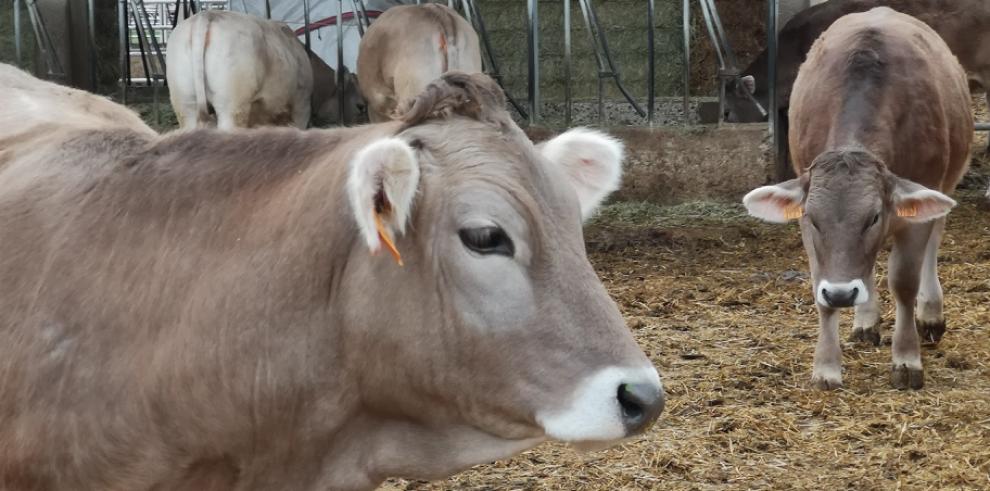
[841, 295]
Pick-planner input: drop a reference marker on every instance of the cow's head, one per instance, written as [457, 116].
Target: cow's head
[495, 332]
[742, 105]
[327, 94]
[846, 202]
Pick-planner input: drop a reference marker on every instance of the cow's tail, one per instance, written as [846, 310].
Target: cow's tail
[200, 41]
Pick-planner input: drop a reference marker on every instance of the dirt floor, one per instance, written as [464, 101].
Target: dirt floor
[721, 303]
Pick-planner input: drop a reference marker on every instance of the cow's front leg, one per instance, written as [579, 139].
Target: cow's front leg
[930, 320]
[827, 374]
[905, 262]
[866, 323]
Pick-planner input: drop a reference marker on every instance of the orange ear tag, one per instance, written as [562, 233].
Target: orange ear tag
[383, 235]
[794, 212]
[911, 211]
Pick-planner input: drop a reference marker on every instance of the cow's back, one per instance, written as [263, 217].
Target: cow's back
[407, 48]
[887, 82]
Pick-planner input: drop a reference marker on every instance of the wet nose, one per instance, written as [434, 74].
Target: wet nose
[641, 406]
[838, 297]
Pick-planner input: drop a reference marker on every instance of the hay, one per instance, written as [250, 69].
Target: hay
[721, 304]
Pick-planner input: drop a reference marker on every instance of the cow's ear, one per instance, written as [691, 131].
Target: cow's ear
[916, 203]
[591, 160]
[748, 83]
[778, 203]
[382, 182]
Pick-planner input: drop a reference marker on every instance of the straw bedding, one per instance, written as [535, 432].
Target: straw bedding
[721, 303]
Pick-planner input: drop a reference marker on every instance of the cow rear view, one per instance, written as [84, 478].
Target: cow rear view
[406, 48]
[880, 130]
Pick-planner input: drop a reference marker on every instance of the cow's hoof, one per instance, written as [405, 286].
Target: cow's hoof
[821, 382]
[866, 335]
[930, 332]
[903, 377]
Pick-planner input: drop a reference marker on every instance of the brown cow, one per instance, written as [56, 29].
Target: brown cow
[963, 24]
[408, 47]
[202, 310]
[881, 128]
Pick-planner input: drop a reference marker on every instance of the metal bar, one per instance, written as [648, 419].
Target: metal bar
[91, 20]
[730, 56]
[982, 126]
[598, 58]
[357, 15]
[17, 32]
[651, 63]
[686, 20]
[362, 13]
[613, 71]
[44, 40]
[776, 125]
[140, 37]
[125, 48]
[533, 36]
[268, 9]
[467, 11]
[492, 61]
[567, 63]
[707, 16]
[309, 51]
[151, 32]
[340, 62]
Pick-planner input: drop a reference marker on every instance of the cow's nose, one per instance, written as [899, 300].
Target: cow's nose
[641, 406]
[839, 298]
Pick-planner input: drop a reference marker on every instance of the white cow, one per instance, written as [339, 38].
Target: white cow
[252, 71]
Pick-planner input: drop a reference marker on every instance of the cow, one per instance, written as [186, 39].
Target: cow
[251, 72]
[881, 133]
[273, 308]
[787, 9]
[963, 24]
[408, 47]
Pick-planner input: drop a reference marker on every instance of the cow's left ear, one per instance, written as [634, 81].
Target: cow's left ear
[381, 185]
[593, 162]
[916, 203]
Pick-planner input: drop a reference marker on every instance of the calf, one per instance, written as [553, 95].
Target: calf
[407, 48]
[881, 129]
[211, 310]
[252, 72]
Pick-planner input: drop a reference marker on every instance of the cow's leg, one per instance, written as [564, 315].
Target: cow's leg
[188, 114]
[906, 262]
[827, 373]
[866, 324]
[930, 320]
[301, 110]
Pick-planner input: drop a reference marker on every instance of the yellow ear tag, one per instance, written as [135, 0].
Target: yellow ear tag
[907, 211]
[383, 235]
[794, 212]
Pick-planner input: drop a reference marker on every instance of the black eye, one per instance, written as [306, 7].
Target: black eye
[876, 218]
[487, 240]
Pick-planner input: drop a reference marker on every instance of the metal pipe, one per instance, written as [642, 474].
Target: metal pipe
[362, 16]
[306, 24]
[467, 11]
[151, 32]
[91, 19]
[340, 63]
[268, 9]
[982, 126]
[140, 37]
[125, 51]
[534, 60]
[650, 63]
[17, 32]
[686, 20]
[567, 63]
[773, 120]
[486, 45]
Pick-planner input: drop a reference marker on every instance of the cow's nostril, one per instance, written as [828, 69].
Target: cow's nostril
[641, 405]
[855, 293]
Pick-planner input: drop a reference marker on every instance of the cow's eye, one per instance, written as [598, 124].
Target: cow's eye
[876, 218]
[487, 240]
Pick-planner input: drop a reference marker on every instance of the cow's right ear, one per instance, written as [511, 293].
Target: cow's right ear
[381, 185]
[779, 203]
[748, 83]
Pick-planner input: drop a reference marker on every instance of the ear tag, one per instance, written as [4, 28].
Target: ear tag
[383, 235]
[794, 212]
[908, 211]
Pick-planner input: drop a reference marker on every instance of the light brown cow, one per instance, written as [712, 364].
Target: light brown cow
[204, 310]
[408, 47]
[881, 128]
[252, 72]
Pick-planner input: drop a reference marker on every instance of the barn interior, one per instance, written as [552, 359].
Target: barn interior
[717, 299]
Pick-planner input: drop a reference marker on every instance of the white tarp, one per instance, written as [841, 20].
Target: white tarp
[323, 40]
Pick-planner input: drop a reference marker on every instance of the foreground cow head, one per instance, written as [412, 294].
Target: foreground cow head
[846, 202]
[494, 333]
